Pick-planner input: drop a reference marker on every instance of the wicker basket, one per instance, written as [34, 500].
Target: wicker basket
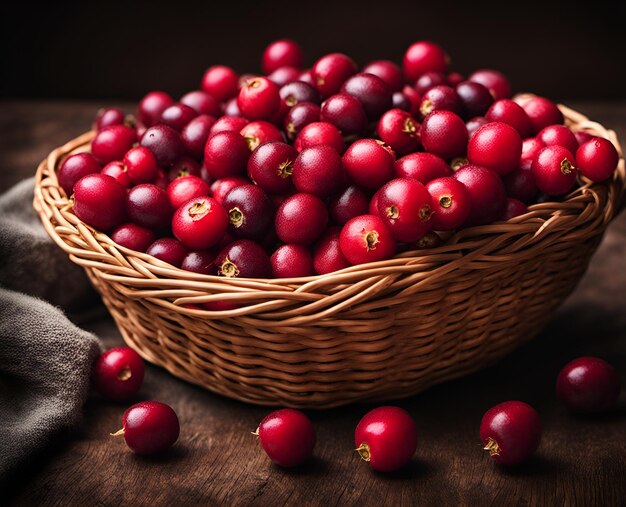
[378, 331]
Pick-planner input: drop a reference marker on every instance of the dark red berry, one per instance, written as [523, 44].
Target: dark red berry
[486, 191]
[243, 259]
[424, 167]
[141, 165]
[496, 146]
[117, 170]
[148, 205]
[520, 184]
[369, 163]
[73, 168]
[597, 159]
[259, 99]
[406, 208]
[99, 201]
[474, 124]
[250, 211]
[185, 167]
[133, 237]
[318, 171]
[451, 203]
[559, 135]
[388, 71]
[220, 82]
[542, 113]
[221, 187]
[475, 98]
[259, 132]
[443, 133]
[531, 147]
[373, 93]
[200, 223]
[231, 108]
[271, 167]
[168, 250]
[366, 238]
[454, 78]
[399, 130]
[177, 116]
[553, 170]
[284, 75]
[226, 154]
[228, 123]
[201, 261]
[299, 116]
[582, 137]
[350, 203]
[291, 261]
[118, 374]
[202, 103]
[111, 116]
[422, 57]
[152, 106]
[317, 133]
[328, 256]
[185, 188]
[513, 208]
[297, 92]
[400, 101]
[165, 143]
[429, 80]
[112, 143]
[345, 112]
[497, 84]
[414, 98]
[441, 98]
[149, 427]
[280, 53]
[287, 436]
[331, 71]
[511, 113]
[301, 219]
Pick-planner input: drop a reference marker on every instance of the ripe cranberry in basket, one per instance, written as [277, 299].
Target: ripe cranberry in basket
[133, 236]
[542, 113]
[317, 133]
[372, 92]
[496, 146]
[111, 116]
[511, 113]
[182, 189]
[369, 163]
[226, 154]
[299, 116]
[443, 133]
[112, 143]
[100, 201]
[348, 204]
[291, 261]
[429, 80]
[399, 130]
[422, 57]
[328, 256]
[331, 71]
[244, 259]
[422, 166]
[366, 238]
[221, 187]
[141, 165]
[250, 211]
[451, 203]
[496, 82]
[231, 123]
[177, 116]
[200, 223]
[301, 219]
[475, 98]
[345, 112]
[168, 250]
[74, 168]
[298, 92]
[257, 133]
[202, 103]
[554, 170]
[148, 205]
[271, 167]
[388, 71]
[486, 192]
[165, 143]
[259, 99]
[318, 171]
[597, 159]
[440, 98]
[559, 135]
[200, 261]
[152, 106]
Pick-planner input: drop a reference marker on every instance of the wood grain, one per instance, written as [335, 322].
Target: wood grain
[581, 461]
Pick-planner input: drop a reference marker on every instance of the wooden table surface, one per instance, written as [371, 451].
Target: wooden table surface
[581, 461]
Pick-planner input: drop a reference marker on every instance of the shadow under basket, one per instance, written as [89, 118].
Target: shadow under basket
[378, 331]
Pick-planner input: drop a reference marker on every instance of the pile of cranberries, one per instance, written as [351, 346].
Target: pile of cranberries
[299, 171]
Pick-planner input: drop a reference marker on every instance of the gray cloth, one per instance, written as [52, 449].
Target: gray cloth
[45, 360]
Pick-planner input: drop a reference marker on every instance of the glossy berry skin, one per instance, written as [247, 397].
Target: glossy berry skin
[259, 132]
[373, 93]
[583, 137]
[588, 385]
[496, 82]
[74, 168]
[388, 71]
[317, 170]
[202, 103]
[259, 99]
[271, 167]
[422, 57]
[185, 188]
[231, 108]
[440, 98]
[331, 71]
[328, 257]
[366, 238]
[291, 261]
[108, 117]
[220, 188]
[422, 166]
[99, 201]
[117, 170]
[195, 134]
[112, 143]
[150, 427]
[287, 436]
[399, 130]
[250, 211]
[141, 165]
[299, 116]
[414, 98]
[228, 123]
[386, 437]
[597, 159]
[369, 163]
[284, 75]
[281, 53]
[454, 78]
[429, 80]
[152, 106]
[318, 133]
[474, 124]
[148, 205]
[297, 92]
[496, 146]
[226, 154]
[511, 113]
[301, 219]
[559, 135]
[400, 101]
[531, 147]
[486, 191]
[513, 208]
[220, 82]
[177, 116]
[168, 250]
[519, 184]
[406, 208]
[118, 374]
[451, 203]
[511, 432]
[185, 167]
[554, 170]
[475, 98]
[345, 112]
[133, 237]
[200, 223]
[165, 143]
[348, 204]
[444, 134]
[243, 259]
[542, 113]
[201, 261]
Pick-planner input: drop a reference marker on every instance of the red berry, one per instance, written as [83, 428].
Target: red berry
[220, 82]
[250, 211]
[118, 374]
[297, 92]
[345, 112]
[366, 238]
[588, 384]
[306, 77]
[474, 124]
[406, 208]
[328, 256]
[299, 116]
[553, 170]
[149, 427]
[386, 438]
[228, 123]
[520, 184]
[454, 78]
[373, 93]
[259, 99]
[221, 187]
[148, 205]
[165, 143]
[185, 167]
[486, 192]
[369, 163]
[597, 159]
[287, 436]
[440, 98]
[530, 149]
[117, 170]
[74, 168]
[280, 53]
[185, 188]
[141, 165]
[513, 208]
[582, 137]
[318, 171]
[496, 146]
[319, 133]
[291, 261]
[151, 107]
[429, 80]
[243, 259]
[422, 57]
[511, 113]
[414, 98]
[177, 116]
[330, 72]
[284, 75]
[271, 167]
[400, 101]
[559, 135]
[226, 154]
[201, 261]
[511, 432]
[424, 167]
[112, 143]
[399, 130]
[388, 71]
[350, 203]
[497, 84]
[111, 116]
[475, 98]
[231, 108]
[542, 113]
[444, 134]
[301, 219]
[451, 203]
[133, 237]
[257, 133]
[168, 250]
[99, 201]
[200, 223]
[202, 103]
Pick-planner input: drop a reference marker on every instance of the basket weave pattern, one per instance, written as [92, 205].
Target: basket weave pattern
[379, 331]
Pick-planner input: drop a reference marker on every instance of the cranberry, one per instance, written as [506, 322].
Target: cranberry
[299, 116]
[386, 438]
[345, 112]
[220, 188]
[553, 170]
[112, 143]
[542, 113]
[474, 124]
[231, 108]
[318, 171]
[414, 98]
[301, 219]
[513, 208]
[330, 72]
[201, 261]
[497, 84]
[149, 427]
[281, 53]
[185, 188]
[597, 159]
[257, 133]
[259, 99]
[440, 98]
[319, 133]
[422, 57]
[350, 203]
[291, 261]
[520, 184]
[250, 211]
[454, 78]
[118, 374]
[328, 256]
[177, 116]
[486, 192]
[372, 92]
[271, 167]
[74, 168]
[530, 149]
[444, 134]
[165, 143]
[475, 98]
[244, 259]
[162, 180]
[511, 432]
[184, 167]
[228, 123]
[117, 170]
[109, 117]
[287, 436]
[284, 75]
[306, 77]
[226, 154]
[366, 238]
[141, 165]
[430, 240]
[200, 223]
[202, 103]
[511, 113]
[451, 203]
[429, 80]
[560, 135]
[151, 107]
[424, 167]
[133, 237]
[369, 163]
[583, 137]
[220, 82]
[373, 207]
[400, 101]
[297, 92]
[168, 250]
[496, 146]
[148, 205]
[406, 208]
[399, 130]
[99, 201]
[388, 71]
[588, 384]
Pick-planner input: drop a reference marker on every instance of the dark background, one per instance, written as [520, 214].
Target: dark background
[120, 50]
